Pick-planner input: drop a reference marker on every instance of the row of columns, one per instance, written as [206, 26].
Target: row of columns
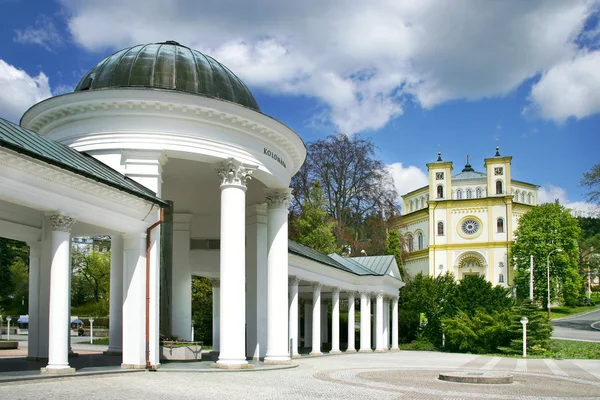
[313, 320]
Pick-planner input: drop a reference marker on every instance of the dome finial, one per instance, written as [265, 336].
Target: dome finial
[497, 151]
[439, 156]
[468, 167]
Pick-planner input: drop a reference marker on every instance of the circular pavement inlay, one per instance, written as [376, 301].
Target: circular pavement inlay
[476, 377]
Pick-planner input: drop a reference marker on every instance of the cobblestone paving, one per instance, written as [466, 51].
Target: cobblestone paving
[403, 375]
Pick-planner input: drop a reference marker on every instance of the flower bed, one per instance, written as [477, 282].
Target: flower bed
[180, 351]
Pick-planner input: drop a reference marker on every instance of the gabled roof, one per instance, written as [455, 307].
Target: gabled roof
[379, 265]
[355, 266]
[21, 140]
[307, 252]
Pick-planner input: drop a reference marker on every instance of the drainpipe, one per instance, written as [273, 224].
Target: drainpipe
[148, 242]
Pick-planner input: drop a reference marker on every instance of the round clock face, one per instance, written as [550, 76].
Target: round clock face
[470, 227]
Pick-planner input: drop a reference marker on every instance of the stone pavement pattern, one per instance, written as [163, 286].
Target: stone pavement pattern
[402, 375]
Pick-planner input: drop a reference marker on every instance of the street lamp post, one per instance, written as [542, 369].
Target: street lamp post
[8, 328]
[92, 330]
[524, 321]
[549, 254]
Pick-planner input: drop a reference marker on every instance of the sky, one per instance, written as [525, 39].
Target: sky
[418, 77]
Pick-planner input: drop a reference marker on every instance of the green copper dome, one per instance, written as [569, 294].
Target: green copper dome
[170, 66]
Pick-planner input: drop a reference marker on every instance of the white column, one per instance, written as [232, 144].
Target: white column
[335, 321]
[278, 201]
[134, 301]
[293, 323]
[216, 308]
[115, 339]
[307, 324]
[181, 278]
[351, 323]
[154, 297]
[256, 281]
[59, 316]
[395, 324]
[316, 320]
[379, 324]
[386, 323]
[33, 335]
[324, 321]
[233, 176]
[365, 323]
[44, 292]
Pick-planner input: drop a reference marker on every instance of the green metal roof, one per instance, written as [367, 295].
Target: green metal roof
[355, 266]
[170, 66]
[307, 252]
[378, 264]
[23, 141]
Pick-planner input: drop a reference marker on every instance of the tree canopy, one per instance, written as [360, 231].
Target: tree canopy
[394, 248]
[591, 181]
[543, 229]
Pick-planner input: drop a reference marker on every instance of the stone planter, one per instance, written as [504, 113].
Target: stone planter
[9, 345]
[193, 352]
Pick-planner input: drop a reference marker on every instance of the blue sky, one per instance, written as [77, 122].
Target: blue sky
[458, 77]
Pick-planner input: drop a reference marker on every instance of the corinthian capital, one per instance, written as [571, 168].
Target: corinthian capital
[61, 222]
[234, 172]
[278, 198]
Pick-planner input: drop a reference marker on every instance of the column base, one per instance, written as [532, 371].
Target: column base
[133, 366]
[394, 349]
[296, 355]
[335, 352]
[315, 353]
[57, 371]
[350, 351]
[365, 351]
[277, 360]
[232, 366]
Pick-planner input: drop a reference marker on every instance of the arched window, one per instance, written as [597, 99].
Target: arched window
[409, 242]
[523, 197]
[500, 225]
[478, 193]
[498, 187]
[459, 194]
[422, 202]
[469, 193]
[517, 195]
[440, 192]
[501, 278]
[410, 205]
[529, 197]
[440, 228]
[427, 198]
[420, 241]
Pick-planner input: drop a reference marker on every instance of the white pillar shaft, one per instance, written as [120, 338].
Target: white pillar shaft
[351, 323]
[335, 322]
[307, 324]
[277, 282]
[316, 320]
[379, 324]
[154, 303]
[232, 275]
[365, 325]
[216, 321]
[115, 340]
[181, 281]
[34, 298]
[386, 324]
[58, 343]
[395, 324]
[324, 322]
[134, 301]
[293, 316]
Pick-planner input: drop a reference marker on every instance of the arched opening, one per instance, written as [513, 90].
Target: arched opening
[498, 187]
[440, 228]
[440, 192]
[500, 225]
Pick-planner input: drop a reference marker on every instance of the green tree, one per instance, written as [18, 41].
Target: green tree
[202, 309]
[589, 248]
[313, 227]
[394, 248]
[14, 262]
[539, 330]
[591, 181]
[479, 333]
[93, 268]
[541, 230]
[475, 293]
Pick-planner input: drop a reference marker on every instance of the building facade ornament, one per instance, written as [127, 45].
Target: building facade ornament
[380, 295]
[294, 280]
[336, 291]
[317, 286]
[61, 222]
[233, 172]
[278, 198]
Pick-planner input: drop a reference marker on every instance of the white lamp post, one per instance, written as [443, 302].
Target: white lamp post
[91, 330]
[524, 321]
[1, 326]
[531, 277]
[8, 319]
[548, 262]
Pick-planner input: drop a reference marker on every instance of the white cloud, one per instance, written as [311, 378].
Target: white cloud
[43, 33]
[569, 89]
[551, 193]
[360, 59]
[407, 179]
[19, 91]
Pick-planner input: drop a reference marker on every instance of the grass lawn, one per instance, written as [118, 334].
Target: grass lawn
[101, 341]
[563, 311]
[573, 349]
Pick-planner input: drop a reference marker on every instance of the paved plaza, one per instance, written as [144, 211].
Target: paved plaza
[401, 375]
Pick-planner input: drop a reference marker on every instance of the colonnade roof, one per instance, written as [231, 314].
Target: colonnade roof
[21, 140]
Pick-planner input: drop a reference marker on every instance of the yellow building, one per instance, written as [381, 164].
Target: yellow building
[464, 223]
